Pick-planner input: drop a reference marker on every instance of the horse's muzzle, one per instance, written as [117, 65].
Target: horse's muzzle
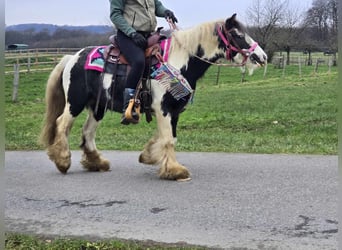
[257, 59]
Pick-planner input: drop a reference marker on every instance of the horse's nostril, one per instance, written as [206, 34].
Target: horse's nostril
[255, 57]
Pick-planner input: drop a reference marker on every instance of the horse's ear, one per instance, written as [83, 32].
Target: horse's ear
[231, 22]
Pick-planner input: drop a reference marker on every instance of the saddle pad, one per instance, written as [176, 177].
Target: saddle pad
[95, 59]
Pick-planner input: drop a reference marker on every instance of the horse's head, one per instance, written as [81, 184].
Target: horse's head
[239, 46]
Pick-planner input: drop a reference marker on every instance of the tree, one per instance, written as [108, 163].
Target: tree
[321, 20]
[274, 25]
[266, 16]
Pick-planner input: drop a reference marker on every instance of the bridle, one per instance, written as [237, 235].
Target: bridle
[225, 36]
[231, 44]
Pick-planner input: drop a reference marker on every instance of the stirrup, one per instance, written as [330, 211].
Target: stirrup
[130, 115]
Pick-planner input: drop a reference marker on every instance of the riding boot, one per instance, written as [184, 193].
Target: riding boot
[129, 114]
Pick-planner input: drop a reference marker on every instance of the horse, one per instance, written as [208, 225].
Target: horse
[71, 88]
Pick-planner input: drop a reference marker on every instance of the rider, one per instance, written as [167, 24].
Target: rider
[135, 20]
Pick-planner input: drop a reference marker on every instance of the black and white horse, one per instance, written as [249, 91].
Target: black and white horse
[71, 88]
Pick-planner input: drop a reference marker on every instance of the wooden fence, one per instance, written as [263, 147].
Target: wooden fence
[44, 59]
[30, 60]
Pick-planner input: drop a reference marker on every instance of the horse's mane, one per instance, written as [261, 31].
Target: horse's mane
[186, 43]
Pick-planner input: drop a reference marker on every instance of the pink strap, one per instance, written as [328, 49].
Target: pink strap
[253, 47]
[166, 44]
[222, 36]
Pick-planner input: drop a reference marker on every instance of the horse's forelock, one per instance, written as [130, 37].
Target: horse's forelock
[233, 23]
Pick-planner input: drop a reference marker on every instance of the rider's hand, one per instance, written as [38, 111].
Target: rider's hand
[169, 15]
[139, 40]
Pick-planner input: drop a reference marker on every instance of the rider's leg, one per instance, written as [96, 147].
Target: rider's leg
[136, 59]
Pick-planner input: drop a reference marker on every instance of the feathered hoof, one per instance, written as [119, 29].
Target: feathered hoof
[62, 168]
[179, 173]
[93, 162]
[92, 167]
[146, 159]
[62, 161]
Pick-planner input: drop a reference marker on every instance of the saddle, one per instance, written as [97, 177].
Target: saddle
[114, 57]
[112, 53]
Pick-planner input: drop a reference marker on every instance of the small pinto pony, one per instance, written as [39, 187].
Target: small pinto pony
[71, 87]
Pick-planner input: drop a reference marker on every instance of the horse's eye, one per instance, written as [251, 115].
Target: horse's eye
[239, 36]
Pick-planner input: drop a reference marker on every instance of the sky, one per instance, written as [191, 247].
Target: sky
[96, 12]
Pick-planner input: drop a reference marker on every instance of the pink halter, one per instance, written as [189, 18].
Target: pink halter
[230, 47]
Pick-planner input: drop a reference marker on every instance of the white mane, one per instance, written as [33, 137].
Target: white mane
[185, 43]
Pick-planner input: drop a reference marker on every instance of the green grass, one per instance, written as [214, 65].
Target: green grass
[23, 242]
[273, 115]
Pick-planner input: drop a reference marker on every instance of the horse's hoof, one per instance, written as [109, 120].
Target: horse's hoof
[62, 169]
[102, 165]
[175, 174]
[62, 163]
[146, 159]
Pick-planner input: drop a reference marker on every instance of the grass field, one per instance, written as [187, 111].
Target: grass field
[279, 114]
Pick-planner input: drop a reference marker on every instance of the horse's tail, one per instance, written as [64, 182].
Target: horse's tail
[55, 102]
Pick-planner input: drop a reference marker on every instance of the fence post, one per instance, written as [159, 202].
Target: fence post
[300, 67]
[330, 64]
[218, 75]
[316, 66]
[36, 56]
[243, 73]
[29, 64]
[15, 83]
[284, 66]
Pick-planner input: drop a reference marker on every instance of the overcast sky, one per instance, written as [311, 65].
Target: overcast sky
[96, 12]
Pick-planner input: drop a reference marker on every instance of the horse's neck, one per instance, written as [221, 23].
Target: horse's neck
[189, 46]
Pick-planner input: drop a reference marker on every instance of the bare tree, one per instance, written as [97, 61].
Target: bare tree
[266, 17]
[321, 20]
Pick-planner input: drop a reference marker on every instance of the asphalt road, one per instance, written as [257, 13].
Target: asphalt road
[233, 201]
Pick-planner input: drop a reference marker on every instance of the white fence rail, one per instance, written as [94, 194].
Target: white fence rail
[42, 59]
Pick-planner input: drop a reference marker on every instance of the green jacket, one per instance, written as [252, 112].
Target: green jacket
[135, 15]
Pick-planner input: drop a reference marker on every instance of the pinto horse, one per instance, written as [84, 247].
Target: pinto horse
[71, 88]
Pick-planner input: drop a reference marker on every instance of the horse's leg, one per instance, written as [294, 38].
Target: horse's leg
[161, 148]
[59, 151]
[92, 159]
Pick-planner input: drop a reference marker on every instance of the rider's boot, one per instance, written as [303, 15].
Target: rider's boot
[129, 114]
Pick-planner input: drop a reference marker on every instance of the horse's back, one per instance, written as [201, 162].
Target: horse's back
[84, 85]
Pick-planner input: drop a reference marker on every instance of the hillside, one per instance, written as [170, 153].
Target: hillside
[54, 36]
[51, 28]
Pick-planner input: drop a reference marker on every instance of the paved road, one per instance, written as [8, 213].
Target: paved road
[232, 201]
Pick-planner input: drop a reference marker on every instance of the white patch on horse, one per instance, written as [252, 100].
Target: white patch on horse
[107, 80]
[67, 71]
[89, 129]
